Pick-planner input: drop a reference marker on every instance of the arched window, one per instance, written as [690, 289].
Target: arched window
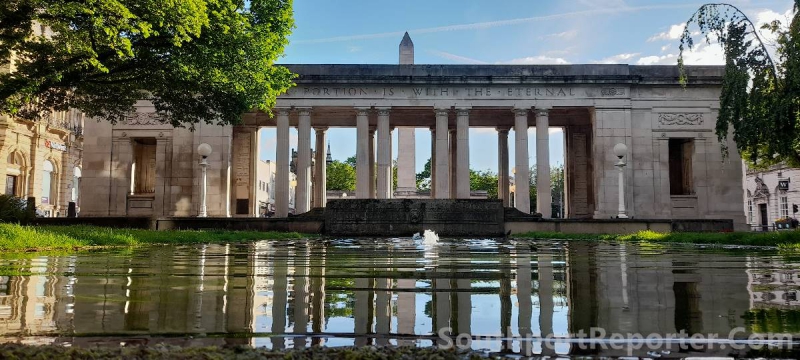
[14, 174]
[76, 184]
[47, 179]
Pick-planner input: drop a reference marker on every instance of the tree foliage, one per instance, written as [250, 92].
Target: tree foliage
[340, 176]
[760, 99]
[424, 177]
[484, 180]
[196, 60]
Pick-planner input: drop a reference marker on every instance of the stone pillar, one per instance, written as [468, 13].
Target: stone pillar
[502, 166]
[406, 161]
[433, 163]
[303, 200]
[384, 155]
[282, 161]
[543, 196]
[255, 146]
[453, 151]
[545, 266]
[321, 171]
[462, 157]
[442, 156]
[372, 182]
[522, 174]
[362, 153]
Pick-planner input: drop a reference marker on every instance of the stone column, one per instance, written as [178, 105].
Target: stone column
[453, 151]
[522, 195]
[433, 163]
[372, 182]
[282, 160]
[362, 153]
[442, 156]
[502, 166]
[406, 161]
[384, 155]
[302, 202]
[321, 171]
[255, 145]
[543, 196]
[545, 266]
[462, 157]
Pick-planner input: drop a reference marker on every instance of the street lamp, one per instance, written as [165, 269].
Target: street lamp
[620, 150]
[203, 150]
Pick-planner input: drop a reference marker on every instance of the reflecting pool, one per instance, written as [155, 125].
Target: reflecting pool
[503, 296]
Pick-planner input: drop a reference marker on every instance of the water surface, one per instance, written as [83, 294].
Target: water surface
[294, 294]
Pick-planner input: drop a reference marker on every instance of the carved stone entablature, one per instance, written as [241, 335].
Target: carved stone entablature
[144, 118]
[680, 119]
[610, 91]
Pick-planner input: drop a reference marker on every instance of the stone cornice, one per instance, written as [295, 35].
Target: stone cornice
[503, 74]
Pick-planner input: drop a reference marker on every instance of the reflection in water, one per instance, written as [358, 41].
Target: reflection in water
[283, 294]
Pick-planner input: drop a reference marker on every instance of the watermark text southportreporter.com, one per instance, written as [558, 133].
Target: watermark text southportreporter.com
[599, 338]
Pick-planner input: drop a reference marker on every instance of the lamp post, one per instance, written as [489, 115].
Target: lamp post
[620, 150]
[204, 150]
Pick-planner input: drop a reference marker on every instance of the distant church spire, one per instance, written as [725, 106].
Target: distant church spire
[329, 159]
[406, 50]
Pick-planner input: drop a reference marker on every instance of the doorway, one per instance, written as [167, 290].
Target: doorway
[762, 211]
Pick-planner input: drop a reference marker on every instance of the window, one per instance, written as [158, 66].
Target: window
[144, 166]
[47, 180]
[784, 207]
[680, 166]
[749, 211]
[15, 183]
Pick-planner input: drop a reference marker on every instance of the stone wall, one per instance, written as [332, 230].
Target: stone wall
[458, 218]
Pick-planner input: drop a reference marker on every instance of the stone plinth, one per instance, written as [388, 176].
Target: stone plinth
[447, 217]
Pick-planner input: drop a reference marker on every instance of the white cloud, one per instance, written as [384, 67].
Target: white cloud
[353, 48]
[456, 58]
[565, 35]
[674, 33]
[536, 60]
[619, 58]
[703, 54]
[666, 47]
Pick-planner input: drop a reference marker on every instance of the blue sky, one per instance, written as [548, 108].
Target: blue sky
[495, 32]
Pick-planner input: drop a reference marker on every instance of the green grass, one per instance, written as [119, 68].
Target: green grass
[15, 237]
[785, 240]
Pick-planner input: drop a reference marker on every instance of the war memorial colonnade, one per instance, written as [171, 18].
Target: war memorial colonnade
[675, 166]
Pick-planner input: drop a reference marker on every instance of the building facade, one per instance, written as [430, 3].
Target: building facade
[674, 164]
[42, 159]
[770, 195]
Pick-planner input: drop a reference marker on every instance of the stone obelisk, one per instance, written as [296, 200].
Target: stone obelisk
[406, 159]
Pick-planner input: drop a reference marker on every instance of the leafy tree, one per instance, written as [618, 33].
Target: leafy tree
[196, 60]
[341, 176]
[351, 161]
[557, 189]
[424, 177]
[760, 99]
[484, 180]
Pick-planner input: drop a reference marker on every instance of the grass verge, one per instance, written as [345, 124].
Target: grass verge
[15, 237]
[785, 240]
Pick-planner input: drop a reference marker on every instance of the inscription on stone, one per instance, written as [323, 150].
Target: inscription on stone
[241, 170]
[476, 92]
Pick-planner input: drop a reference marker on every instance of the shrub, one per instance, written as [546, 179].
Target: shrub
[14, 209]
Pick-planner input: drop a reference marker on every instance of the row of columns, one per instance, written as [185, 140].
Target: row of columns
[449, 166]
[304, 196]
